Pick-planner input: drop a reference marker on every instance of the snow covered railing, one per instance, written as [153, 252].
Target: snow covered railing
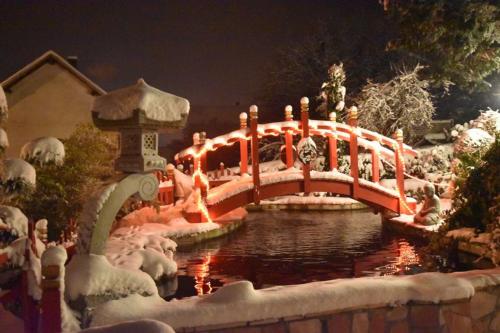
[53, 260]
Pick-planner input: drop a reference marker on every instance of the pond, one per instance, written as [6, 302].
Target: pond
[293, 247]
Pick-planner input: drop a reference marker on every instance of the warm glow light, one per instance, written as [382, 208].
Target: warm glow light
[201, 273]
[200, 178]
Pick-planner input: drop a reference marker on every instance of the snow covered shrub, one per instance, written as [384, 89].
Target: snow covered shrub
[18, 179]
[473, 139]
[43, 150]
[403, 102]
[63, 188]
[430, 162]
[477, 192]
[489, 121]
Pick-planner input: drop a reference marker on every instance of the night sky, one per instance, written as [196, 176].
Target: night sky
[211, 52]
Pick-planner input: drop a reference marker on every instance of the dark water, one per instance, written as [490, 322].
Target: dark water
[290, 247]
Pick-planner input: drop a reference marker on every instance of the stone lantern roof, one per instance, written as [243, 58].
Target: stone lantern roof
[137, 112]
[140, 105]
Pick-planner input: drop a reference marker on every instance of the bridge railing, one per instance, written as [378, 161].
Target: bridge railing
[378, 145]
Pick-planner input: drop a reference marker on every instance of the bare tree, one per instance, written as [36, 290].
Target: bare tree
[403, 102]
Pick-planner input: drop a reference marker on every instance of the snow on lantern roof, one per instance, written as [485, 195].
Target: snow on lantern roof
[146, 104]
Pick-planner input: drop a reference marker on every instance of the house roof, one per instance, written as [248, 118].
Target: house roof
[50, 57]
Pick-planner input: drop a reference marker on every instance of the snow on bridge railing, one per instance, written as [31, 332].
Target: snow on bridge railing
[379, 146]
[325, 128]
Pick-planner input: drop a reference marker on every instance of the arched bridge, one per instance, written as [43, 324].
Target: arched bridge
[253, 185]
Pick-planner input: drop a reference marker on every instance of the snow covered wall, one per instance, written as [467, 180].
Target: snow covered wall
[427, 302]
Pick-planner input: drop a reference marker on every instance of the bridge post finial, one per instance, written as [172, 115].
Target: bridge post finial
[243, 120]
[398, 135]
[196, 138]
[353, 116]
[254, 112]
[288, 113]
[203, 137]
[332, 116]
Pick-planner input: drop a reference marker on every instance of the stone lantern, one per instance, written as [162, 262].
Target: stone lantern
[137, 112]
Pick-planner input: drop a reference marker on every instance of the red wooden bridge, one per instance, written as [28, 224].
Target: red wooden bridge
[251, 186]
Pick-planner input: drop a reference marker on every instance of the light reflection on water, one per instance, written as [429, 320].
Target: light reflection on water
[284, 247]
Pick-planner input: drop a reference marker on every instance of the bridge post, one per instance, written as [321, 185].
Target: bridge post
[332, 143]
[196, 162]
[203, 156]
[400, 166]
[289, 138]
[170, 197]
[376, 163]
[221, 170]
[254, 118]
[243, 145]
[353, 150]
[304, 117]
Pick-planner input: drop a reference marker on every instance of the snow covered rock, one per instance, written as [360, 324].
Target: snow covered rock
[4, 139]
[94, 275]
[13, 218]
[233, 292]
[132, 249]
[472, 140]
[156, 104]
[17, 169]
[183, 184]
[44, 150]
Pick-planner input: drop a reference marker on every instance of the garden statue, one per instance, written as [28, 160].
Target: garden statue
[333, 91]
[431, 210]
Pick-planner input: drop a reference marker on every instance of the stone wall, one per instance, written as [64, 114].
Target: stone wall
[480, 313]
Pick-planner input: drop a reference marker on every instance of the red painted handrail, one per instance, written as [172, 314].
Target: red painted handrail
[378, 145]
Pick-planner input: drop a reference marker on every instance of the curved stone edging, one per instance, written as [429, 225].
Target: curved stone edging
[226, 228]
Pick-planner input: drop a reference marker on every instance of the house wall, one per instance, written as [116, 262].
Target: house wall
[48, 102]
